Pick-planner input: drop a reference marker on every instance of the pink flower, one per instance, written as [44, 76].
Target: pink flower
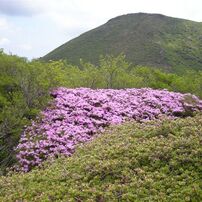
[76, 115]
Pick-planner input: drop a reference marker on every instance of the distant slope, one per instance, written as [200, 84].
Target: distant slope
[145, 39]
[156, 161]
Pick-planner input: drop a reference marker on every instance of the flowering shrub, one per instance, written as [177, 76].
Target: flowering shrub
[76, 115]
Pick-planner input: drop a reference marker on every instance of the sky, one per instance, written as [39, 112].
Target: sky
[32, 28]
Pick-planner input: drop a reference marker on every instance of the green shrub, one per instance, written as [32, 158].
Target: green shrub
[152, 161]
[24, 91]
[25, 87]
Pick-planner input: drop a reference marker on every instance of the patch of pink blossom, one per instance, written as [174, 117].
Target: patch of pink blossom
[76, 115]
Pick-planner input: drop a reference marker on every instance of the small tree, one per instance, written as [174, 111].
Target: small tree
[111, 68]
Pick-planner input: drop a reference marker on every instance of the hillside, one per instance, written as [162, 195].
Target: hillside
[24, 92]
[156, 161]
[146, 39]
[76, 115]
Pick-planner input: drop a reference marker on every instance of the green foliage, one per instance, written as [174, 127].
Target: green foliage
[112, 69]
[152, 161]
[116, 72]
[24, 90]
[146, 39]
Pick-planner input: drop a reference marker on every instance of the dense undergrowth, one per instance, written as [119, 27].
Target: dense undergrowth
[76, 115]
[25, 87]
[153, 161]
[24, 91]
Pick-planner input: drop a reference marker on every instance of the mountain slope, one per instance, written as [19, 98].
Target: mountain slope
[156, 161]
[145, 39]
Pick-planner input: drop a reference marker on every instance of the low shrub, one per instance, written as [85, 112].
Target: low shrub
[154, 161]
[76, 115]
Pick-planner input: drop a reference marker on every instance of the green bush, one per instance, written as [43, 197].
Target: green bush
[24, 90]
[25, 87]
[152, 161]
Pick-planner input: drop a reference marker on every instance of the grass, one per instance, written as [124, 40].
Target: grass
[154, 161]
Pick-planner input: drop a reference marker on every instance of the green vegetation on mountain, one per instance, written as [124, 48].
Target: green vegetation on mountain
[25, 87]
[146, 39]
[157, 160]
[153, 161]
[24, 90]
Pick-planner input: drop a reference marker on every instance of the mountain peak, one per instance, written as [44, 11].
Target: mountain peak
[135, 15]
[146, 39]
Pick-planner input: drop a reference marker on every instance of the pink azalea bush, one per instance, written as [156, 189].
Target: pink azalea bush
[76, 115]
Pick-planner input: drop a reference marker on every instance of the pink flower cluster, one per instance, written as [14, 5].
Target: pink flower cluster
[76, 115]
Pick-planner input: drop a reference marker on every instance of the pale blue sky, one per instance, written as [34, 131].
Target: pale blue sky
[32, 28]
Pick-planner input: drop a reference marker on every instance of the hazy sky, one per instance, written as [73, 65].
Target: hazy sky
[32, 28]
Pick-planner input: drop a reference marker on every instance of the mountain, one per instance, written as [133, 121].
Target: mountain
[146, 39]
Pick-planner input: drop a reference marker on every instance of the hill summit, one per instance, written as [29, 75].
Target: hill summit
[146, 39]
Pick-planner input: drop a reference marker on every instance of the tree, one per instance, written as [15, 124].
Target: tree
[111, 68]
